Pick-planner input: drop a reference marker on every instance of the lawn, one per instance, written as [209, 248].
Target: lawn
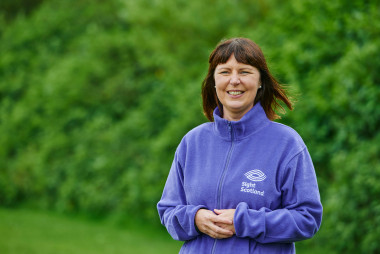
[34, 232]
[26, 231]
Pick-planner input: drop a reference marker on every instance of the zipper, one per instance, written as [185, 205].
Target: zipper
[218, 201]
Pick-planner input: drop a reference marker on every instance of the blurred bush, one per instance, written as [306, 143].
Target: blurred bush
[328, 52]
[96, 95]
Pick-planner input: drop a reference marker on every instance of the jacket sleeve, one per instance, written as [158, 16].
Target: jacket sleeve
[175, 214]
[301, 212]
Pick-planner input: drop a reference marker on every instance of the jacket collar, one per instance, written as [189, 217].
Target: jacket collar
[254, 120]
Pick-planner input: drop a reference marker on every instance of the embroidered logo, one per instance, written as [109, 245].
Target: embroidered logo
[255, 175]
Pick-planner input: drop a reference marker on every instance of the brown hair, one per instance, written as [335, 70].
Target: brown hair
[246, 52]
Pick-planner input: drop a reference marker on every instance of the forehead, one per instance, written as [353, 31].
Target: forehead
[232, 61]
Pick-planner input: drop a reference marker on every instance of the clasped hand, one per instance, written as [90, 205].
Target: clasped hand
[218, 224]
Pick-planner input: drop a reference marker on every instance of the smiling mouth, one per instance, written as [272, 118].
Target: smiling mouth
[235, 92]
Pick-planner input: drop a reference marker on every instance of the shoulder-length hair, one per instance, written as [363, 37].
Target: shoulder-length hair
[246, 52]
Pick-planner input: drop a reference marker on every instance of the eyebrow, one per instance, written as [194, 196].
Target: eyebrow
[242, 68]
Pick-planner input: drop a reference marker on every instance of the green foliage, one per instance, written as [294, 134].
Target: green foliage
[354, 194]
[95, 97]
[329, 55]
[12, 8]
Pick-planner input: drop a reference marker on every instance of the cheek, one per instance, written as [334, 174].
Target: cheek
[254, 85]
[219, 93]
[221, 83]
[217, 81]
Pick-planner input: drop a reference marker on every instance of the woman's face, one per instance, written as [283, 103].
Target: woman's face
[236, 87]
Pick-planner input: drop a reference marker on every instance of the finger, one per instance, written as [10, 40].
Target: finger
[222, 236]
[217, 211]
[203, 216]
[228, 227]
[220, 231]
[217, 232]
[222, 220]
[225, 226]
[223, 211]
[219, 236]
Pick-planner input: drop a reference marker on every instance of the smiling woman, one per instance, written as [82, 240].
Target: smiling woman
[236, 87]
[241, 183]
[232, 62]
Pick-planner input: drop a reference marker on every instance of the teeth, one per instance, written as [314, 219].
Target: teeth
[235, 92]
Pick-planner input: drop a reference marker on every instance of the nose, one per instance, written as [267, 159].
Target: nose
[234, 79]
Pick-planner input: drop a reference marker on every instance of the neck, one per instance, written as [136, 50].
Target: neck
[232, 117]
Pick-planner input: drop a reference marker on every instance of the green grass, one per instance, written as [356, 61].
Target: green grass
[34, 232]
[26, 231]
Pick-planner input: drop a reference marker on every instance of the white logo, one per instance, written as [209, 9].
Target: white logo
[255, 175]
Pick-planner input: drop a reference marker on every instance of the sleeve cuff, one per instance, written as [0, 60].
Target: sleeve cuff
[248, 222]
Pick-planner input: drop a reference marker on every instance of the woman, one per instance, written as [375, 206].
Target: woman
[241, 183]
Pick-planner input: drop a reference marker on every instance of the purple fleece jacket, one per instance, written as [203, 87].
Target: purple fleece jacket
[257, 166]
